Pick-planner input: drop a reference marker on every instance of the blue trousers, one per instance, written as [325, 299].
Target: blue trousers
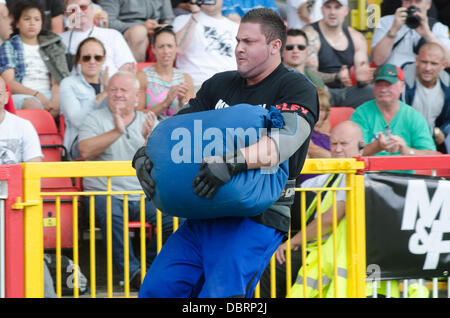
[117, 229]
[212, 258]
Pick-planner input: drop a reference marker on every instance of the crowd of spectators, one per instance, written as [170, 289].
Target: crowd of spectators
[62, 56]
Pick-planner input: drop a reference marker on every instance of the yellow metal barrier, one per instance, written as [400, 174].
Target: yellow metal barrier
[34, 247]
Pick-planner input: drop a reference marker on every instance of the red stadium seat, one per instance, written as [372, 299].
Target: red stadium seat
[150, 54]
[66, 210]
[133, 225]
[52, 142]
[62, 126]
[340, 114]
[10, 104]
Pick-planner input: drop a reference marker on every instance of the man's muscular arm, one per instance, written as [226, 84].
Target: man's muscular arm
[313, 56]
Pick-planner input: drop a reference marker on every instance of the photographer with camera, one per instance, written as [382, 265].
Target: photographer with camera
[206, 41]
[398, 37]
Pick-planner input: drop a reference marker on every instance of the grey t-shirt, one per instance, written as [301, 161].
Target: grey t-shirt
[429, 102]
[123, 149]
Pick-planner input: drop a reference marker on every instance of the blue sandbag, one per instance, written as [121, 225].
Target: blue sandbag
[178, 144]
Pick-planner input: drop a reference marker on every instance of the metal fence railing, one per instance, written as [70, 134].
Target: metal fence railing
[38, 224]
[35, 196]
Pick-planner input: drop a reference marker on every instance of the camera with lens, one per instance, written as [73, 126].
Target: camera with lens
[205, 2]
[412, 20]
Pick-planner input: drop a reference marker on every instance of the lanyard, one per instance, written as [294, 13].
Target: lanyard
[70, 38]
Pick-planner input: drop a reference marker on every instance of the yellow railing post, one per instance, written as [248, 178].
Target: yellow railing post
[76, 263]
[34, 233]
[143, 244]
[109, 251]
[158, 231]
[356, 243]
[126, 248]
[303, 229]
[351, 249]
[360, 237]
[58, 248]
[92, 244]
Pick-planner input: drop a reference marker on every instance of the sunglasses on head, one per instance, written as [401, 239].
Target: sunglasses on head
[167, 27]
[83, 7]
[290, 47]
[87, 58]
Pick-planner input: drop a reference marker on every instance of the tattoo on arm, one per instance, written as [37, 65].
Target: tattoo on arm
[313, 56]
[326, 77]
[313, 44]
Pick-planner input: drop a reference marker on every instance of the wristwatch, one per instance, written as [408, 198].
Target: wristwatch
[391, 35]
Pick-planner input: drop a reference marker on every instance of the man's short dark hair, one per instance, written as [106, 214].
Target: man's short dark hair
[272, 25]
[297, 32]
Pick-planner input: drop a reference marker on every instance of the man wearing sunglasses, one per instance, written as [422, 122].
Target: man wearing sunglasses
[296, 53]
[336, 52]
[81, 16]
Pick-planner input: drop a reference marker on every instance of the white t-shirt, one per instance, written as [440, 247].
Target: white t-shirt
[294, 21]
[429, 102]
[36, 76]
[404, 51]
[118, 52]
[212, 47]
[19, 141]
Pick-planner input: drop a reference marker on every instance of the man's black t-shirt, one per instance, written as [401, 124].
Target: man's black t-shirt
[287, 90]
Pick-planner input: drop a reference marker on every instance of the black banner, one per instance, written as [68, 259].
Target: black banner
[407, 226]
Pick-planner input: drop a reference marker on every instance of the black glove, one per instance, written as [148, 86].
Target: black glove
[216, 171]
[143, 167]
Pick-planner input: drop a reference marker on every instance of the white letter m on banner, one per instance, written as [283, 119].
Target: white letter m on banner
[421, 214]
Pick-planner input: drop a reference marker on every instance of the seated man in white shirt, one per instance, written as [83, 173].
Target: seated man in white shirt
[80, 14]
[394, 42]
[19, 141]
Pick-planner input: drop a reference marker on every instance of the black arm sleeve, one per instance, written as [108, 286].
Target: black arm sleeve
[299, 104]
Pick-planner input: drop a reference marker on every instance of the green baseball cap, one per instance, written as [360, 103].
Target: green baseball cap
[389, 73]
